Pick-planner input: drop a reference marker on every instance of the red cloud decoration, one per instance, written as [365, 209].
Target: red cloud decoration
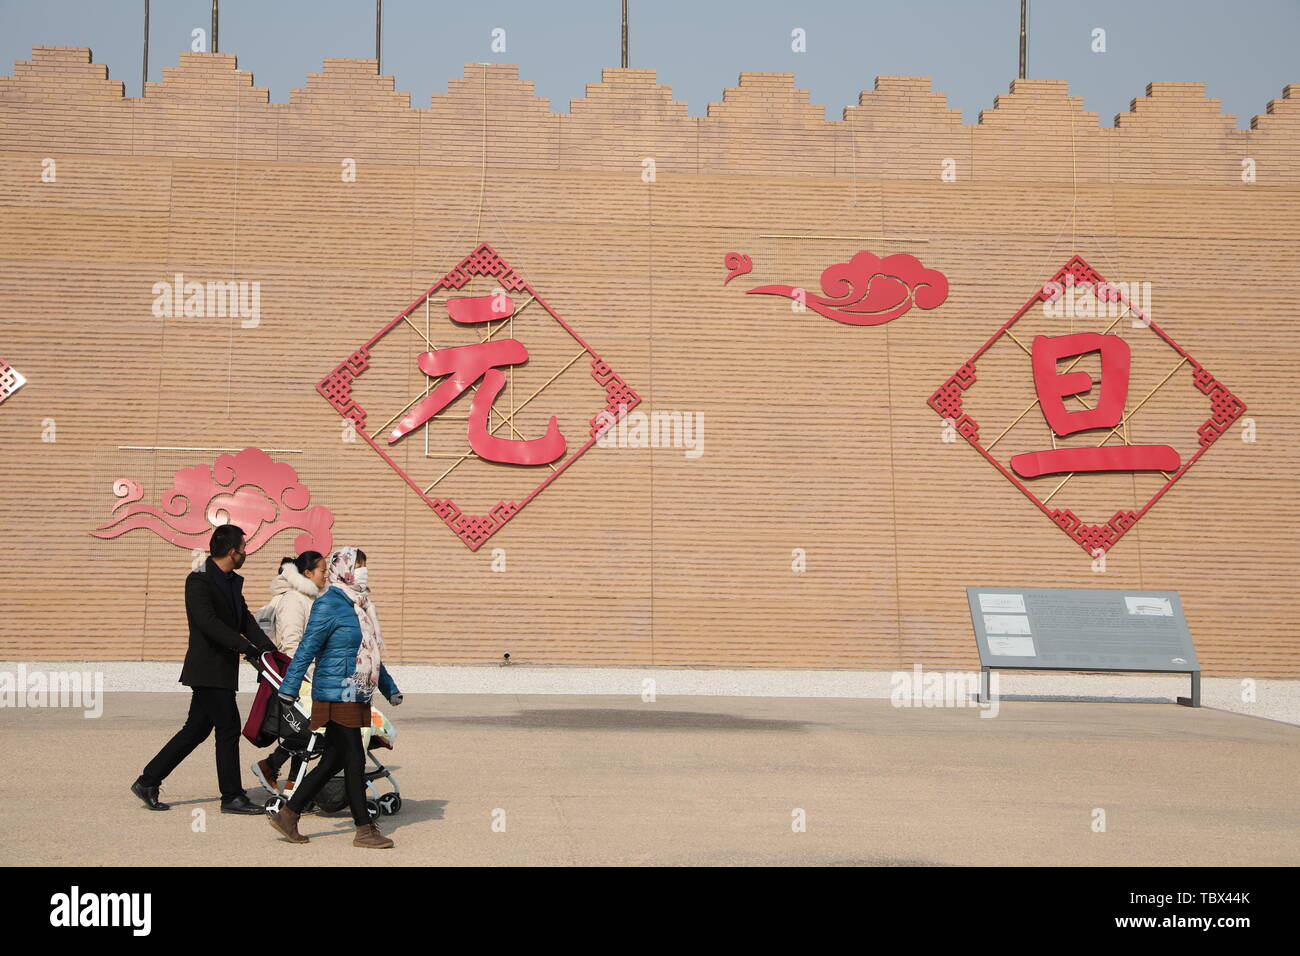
[869, 290]
[262, 496]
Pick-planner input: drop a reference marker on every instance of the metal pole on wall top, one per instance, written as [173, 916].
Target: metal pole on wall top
[144, 69]
[625, 33]
[1024, 34]
[216, 48]
[379, 25]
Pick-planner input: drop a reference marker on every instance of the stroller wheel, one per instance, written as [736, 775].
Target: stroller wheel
[272, 806]
[373, 807]
[389, 803]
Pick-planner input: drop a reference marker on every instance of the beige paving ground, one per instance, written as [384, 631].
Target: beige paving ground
[696, 780]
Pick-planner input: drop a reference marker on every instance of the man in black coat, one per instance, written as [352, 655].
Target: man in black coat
[221, 629]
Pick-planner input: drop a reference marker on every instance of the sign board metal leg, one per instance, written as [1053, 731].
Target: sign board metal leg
[1195, 699]
[984, 686]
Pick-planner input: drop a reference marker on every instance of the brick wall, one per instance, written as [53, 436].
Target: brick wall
[818, 434]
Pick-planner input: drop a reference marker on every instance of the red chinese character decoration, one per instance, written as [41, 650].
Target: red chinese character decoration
[466, 364]
[1053, 388]
[866, 290]
[484, 367]
[248, 489]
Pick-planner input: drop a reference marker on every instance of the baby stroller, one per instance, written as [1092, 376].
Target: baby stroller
[273, 720]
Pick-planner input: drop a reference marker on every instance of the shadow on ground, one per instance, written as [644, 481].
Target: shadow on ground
[1087, 700]
[625, 719]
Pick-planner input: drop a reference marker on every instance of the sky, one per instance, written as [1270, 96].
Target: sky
[1244, 51]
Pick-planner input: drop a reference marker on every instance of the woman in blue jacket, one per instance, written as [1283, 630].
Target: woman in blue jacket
[343, 639]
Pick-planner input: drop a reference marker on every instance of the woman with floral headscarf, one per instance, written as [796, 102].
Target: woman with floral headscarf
[343, 640]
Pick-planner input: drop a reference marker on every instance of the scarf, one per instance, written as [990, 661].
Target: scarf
[342, 575]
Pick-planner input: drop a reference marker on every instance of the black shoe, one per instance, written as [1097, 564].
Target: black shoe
[149, 795]
[241, 804]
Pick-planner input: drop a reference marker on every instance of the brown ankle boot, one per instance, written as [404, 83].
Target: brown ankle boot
[286, 822]
[370, 837]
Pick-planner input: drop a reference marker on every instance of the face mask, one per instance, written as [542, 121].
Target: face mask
[362, 577]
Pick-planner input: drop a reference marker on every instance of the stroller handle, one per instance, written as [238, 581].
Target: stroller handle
[268, 671]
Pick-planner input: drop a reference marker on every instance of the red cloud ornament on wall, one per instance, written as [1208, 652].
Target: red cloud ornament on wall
[739, 264]
[248, 489]
[868, 290]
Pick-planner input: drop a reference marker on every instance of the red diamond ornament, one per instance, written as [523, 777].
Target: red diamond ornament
[341, 388]
[954, 401]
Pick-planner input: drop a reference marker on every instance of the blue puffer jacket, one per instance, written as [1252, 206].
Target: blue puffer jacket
[332, 638]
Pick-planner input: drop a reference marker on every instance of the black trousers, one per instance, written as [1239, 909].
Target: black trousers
[211, 708]
[342, 749]
[279, 756]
